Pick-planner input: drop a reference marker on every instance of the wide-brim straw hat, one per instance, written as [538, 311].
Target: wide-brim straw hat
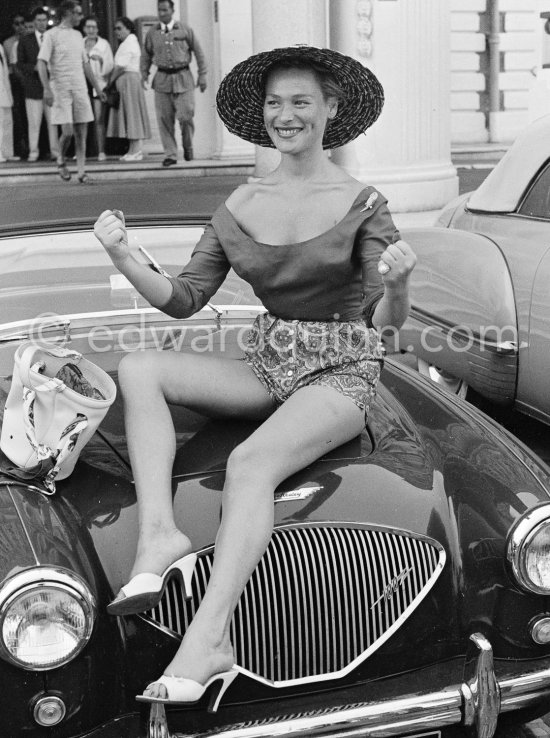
[240, 97]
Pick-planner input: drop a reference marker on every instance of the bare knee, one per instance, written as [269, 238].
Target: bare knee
[249, 461]
[136, 371]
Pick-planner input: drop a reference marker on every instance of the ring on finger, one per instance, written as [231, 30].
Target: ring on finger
[383, 268]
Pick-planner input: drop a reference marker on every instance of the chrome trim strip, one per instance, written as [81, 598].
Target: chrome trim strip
[109, 317]
[9, 483]
[439, 323]
[415, 712]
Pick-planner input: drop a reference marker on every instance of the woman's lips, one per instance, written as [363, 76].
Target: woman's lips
[287, 132]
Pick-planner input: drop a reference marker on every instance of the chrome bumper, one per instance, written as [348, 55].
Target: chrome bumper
[476, 703]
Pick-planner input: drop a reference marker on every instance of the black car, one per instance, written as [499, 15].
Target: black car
[405, 589]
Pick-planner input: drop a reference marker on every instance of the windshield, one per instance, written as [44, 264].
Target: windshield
[70, 273]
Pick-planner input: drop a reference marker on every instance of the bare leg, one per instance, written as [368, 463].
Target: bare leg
[99, 123]
[309, 424]
[148, 381]
[64, 141]
[135, 145]
[80, 130]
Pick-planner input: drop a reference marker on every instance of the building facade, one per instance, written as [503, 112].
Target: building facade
[454, 72]
[513, 33]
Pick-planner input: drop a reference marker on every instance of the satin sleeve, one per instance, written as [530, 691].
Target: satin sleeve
[375, 234]
[201, 278]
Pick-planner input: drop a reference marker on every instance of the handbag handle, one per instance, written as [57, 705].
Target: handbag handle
[27, 356]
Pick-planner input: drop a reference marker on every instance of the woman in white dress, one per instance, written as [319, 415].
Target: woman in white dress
[130, 120]
[102, 63]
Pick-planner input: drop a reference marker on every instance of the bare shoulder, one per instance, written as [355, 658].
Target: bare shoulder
[242, 196]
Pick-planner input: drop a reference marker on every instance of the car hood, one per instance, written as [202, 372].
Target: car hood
[420, 463]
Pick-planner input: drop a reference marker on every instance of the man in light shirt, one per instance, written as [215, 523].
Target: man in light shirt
[27, 55]
[63, 55]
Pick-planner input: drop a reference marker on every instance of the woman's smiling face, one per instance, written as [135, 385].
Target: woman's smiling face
[295, 110]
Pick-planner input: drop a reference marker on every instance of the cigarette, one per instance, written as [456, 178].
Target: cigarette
[152, 262]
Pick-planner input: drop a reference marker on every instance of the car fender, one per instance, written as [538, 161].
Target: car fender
[463, 316]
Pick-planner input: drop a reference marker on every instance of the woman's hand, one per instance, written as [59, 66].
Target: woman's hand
[110, 231]
[397, 263]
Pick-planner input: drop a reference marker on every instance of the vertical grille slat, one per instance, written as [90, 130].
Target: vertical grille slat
[331, 615]
[322, 597]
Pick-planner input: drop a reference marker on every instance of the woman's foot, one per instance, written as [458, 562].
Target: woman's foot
[145, 587]
[198, 658]
[85, 179]
[134, 156]
[157, 550]
[63, 171]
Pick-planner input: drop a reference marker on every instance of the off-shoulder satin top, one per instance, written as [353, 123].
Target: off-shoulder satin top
[332, 276]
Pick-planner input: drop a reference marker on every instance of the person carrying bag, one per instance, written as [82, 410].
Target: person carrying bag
[56, 401]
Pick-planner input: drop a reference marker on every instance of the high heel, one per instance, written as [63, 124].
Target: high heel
[188, 691]
[144, 591]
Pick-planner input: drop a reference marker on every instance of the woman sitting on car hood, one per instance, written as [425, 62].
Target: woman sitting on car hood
[322, 253]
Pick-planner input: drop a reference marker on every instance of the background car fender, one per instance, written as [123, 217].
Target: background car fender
[463, 316]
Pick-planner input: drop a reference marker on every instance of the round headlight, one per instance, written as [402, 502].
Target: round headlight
[528, 550]
[46, 622]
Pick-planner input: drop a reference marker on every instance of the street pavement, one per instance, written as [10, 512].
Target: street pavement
[176, 192]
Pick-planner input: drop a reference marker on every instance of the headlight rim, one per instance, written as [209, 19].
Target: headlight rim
[519, 536]
[41, 577]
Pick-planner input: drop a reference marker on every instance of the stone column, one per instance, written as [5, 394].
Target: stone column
[407, 152]
[199, 14]
[233, 29]
[285, 23]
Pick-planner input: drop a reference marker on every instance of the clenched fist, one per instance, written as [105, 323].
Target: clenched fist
[110, 231]
[396, 263]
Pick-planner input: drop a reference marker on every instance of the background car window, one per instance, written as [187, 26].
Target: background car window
[537, 202]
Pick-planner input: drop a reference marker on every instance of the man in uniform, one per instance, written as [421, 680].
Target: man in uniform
[170, 45]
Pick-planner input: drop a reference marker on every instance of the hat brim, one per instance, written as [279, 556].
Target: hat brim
[240, 97]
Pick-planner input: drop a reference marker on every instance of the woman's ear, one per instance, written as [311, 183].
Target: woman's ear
[332, 107]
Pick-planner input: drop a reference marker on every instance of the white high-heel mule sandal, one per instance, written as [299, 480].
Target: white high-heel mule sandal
[144, 591]
[181, 690]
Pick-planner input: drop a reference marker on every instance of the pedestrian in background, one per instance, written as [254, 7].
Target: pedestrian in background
[101, 61]
[63, 54]
[20, 143]
[130, 120]
[6, 120]
[29, 24]
[169, 45]
[36, 109]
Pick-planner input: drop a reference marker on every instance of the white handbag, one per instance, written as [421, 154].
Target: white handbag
[47, 423]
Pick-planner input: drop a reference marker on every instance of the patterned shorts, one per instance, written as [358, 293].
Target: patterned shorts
[286, 355]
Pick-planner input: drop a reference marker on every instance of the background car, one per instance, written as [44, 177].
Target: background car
[481, 305]
[405, 591]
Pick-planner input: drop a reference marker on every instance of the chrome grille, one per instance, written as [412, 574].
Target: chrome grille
[322, 598]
